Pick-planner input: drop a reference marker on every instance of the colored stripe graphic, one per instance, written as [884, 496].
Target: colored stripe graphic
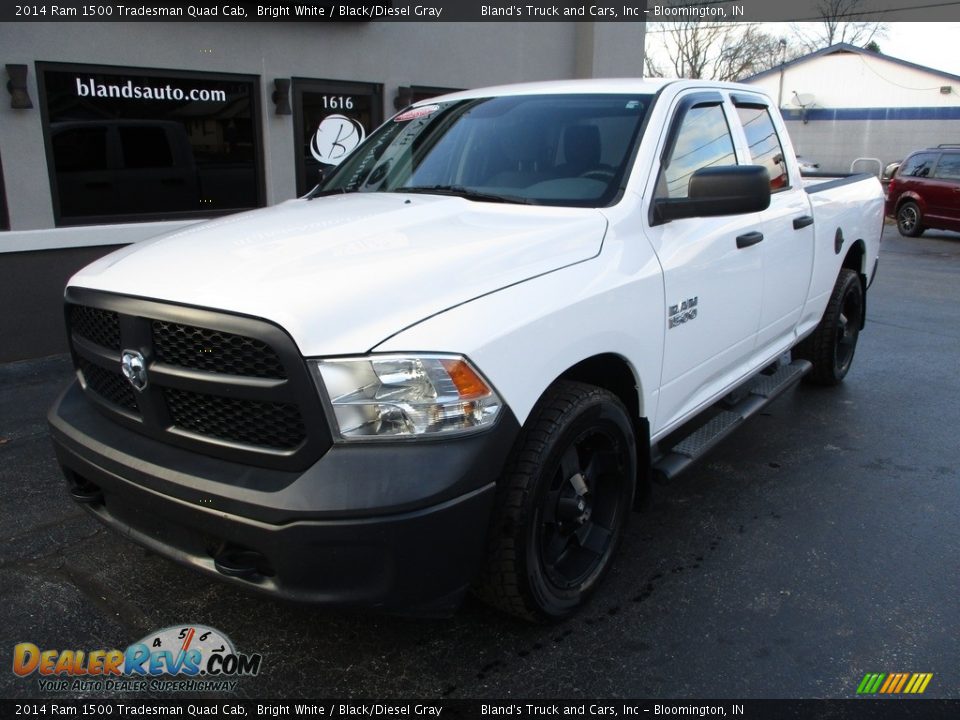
[894, 683]
[918, 683]
[870, 683]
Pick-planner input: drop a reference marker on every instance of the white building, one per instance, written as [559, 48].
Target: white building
[844, 102]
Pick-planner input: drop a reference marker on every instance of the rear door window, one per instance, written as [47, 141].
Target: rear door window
[949, 167]
[764, 143]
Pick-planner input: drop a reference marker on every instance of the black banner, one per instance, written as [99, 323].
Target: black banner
[485, 709]
[640, 11]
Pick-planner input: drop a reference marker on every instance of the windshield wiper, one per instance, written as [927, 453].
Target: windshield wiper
[465, 193]
[315, 193]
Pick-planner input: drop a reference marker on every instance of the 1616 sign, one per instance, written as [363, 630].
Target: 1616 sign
[337, 102]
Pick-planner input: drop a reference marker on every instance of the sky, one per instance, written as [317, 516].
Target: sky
[930, 44]
[933, 44]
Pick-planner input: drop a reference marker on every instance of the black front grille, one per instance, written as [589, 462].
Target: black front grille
[201, 348]
[273, 425]
[228, 386]
[101, 327]
[111, 386]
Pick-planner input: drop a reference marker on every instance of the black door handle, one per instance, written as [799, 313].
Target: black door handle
[748, 239]
[801, 222]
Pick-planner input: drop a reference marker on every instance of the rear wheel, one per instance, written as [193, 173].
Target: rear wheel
[909, 219]
[831, 346]
[561, 505]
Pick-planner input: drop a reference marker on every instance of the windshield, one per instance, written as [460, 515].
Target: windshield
[537, 149]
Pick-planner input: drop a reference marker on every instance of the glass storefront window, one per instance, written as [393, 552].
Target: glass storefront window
[129, 144]
[331, 117]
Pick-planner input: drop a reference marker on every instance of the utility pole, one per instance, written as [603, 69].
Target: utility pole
[783, 61]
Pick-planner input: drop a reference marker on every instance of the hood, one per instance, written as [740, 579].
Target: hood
[343, 273]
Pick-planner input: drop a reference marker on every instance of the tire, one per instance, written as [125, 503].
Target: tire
[832, 345]
[561, 505]
[910, 219]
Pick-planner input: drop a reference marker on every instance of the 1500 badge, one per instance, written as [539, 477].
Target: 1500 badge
[682, 312]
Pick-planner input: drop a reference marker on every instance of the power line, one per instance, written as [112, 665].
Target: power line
[889, 81]
[860, 15]
[884, 11]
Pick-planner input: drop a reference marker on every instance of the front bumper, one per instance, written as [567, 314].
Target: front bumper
[398, 526]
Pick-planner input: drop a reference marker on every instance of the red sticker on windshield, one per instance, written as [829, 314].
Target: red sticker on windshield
[417, 112]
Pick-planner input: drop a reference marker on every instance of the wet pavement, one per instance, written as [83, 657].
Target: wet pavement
[819, 543]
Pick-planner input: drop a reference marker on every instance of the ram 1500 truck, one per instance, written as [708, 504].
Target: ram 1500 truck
[461, 359]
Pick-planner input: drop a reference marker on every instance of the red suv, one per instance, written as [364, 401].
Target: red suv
[925, 192]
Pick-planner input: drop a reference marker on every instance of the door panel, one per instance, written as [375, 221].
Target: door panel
[712, 287]
[788, 247]
[708, 340]
[942, 192]
[787, 266]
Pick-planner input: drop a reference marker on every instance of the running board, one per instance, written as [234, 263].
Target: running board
[755, 395]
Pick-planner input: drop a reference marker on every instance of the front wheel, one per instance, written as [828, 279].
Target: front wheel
[831, 346]
[562, 504]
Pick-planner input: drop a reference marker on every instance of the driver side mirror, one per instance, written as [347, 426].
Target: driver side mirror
[716, 191]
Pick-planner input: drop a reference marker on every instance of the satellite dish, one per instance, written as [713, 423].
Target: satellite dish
[804, 100]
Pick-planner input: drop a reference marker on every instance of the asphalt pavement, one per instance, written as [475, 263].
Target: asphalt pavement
[819, 543]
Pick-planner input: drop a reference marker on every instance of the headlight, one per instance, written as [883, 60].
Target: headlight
[391, 396]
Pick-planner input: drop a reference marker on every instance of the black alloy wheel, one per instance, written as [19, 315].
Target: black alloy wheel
[833, 343]
[847, 328]
[562, 504]
[581, 509]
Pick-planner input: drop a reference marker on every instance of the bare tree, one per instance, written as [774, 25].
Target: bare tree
[714, 51]
[690, 46]
[652, 68]
[747, 53]
[842, 22]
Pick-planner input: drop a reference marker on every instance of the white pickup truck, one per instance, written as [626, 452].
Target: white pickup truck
[460, 361]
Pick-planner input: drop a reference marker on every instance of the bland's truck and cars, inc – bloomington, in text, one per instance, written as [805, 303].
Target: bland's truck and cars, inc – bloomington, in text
[460, 360]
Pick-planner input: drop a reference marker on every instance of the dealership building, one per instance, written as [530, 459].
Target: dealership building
[112, 133]
[872, 106]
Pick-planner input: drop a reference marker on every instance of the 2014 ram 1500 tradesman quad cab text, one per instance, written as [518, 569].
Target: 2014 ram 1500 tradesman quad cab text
[459, 361]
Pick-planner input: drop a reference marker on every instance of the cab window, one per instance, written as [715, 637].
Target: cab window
[703, 140]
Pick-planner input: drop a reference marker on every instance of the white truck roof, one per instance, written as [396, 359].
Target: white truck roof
[647, 86]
